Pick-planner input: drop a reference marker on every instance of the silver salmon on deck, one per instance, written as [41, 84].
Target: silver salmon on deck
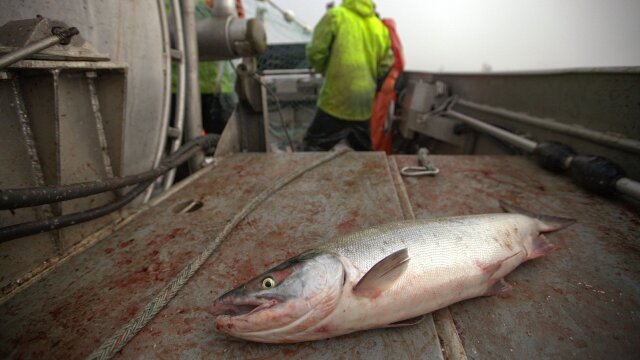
[385, 276]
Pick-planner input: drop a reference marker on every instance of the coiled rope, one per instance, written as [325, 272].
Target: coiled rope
[117, 341]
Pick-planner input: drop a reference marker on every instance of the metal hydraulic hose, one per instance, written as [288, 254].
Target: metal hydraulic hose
[12, 232]
[18, 198]
[628, 187]
[60, 36]
[628, 145]
[518, 141]
[622, 184]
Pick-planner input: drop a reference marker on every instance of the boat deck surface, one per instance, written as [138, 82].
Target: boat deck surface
[581, 301]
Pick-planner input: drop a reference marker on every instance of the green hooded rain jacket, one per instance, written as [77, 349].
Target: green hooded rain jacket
[350, 47]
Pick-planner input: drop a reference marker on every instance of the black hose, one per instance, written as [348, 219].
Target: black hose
[595, 173]
[553, 155]
[18, 198]
[25, 229]
[183, 154]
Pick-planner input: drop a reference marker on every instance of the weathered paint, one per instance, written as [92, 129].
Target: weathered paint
[580, 301]
[72, 310]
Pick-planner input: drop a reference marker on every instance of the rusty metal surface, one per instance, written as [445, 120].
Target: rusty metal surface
[62, 142]
[80, 153]
[582, 97]
[18, 34]
[128, 32]
[581, 301]
[68, 313]
[18, 171]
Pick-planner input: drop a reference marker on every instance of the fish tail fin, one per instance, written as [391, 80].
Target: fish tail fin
[548, 223]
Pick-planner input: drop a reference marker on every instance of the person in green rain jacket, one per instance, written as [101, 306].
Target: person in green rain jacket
[350, 47]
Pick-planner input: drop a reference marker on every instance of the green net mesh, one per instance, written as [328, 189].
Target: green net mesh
[291, 88]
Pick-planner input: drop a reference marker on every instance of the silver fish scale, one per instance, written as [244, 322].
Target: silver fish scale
[438, 246]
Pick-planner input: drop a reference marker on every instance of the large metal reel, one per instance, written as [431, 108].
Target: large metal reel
[132, 33]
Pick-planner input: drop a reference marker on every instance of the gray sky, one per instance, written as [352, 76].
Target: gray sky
[462, 35]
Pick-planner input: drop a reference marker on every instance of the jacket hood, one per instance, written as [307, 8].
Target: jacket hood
[363, 8]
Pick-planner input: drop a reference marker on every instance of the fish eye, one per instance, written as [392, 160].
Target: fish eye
[268, 283]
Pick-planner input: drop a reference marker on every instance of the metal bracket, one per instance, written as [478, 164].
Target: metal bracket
[425, 168]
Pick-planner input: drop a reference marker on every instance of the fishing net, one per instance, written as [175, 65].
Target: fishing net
[290, 88]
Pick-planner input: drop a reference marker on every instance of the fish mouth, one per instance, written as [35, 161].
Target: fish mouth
[241, 306]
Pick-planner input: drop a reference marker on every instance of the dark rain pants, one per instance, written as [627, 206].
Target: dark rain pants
[326, 131]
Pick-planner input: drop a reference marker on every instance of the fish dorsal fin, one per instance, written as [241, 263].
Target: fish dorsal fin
[382, 274]
[548, 223]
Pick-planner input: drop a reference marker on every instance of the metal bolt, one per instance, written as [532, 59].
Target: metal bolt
[65, 35]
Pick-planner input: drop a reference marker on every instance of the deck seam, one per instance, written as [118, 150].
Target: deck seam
[450, 343]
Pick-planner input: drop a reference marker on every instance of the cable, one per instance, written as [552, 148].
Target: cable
[17, 198]
[183, 154]
[25, 229]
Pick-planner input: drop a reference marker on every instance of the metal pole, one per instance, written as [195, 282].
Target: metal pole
[629, 187]
[625, 186]
[193, 125]
[37, 46]
[178, 113]
[28, 50]
[516, 140]
[628, 145]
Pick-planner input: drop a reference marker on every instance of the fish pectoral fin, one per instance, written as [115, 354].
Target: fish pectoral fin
[407, 322]
[382, 274]
[498, 287]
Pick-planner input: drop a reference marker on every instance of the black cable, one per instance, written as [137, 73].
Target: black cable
[183, 154]
[18, 198]
[12, 232]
